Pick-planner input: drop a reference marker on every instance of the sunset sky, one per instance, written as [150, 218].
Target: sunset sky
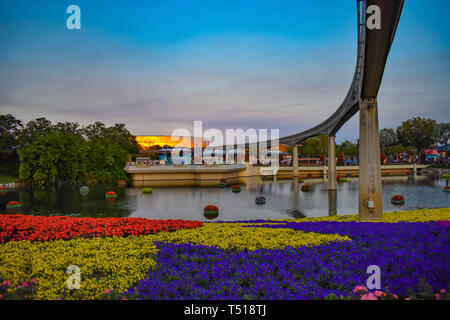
[159, 65]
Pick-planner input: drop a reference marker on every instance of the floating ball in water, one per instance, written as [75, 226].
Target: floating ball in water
[222, 183]
[147, 191]
[309, 175]
[398, 200]
[3, 190]
[211, 212]
[447, 188]
[111, 194]
[236, 188]
[13, 205]
[306, 188]
[260, 200]
[122, 182]
[84, 190]
[300, 180]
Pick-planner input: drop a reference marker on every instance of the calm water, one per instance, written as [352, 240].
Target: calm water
[284, 200]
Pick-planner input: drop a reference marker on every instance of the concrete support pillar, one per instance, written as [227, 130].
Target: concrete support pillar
[332, 203]
[331, 163]
[370, 191]
[295, 161]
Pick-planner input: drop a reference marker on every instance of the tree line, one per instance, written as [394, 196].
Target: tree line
[413, 136]
[44, 153]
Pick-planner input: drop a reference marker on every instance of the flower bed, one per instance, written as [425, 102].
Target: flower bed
[41, 228]
[186, 271]
[293, 259]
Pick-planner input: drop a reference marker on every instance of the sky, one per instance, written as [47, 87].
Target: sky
[161, 65]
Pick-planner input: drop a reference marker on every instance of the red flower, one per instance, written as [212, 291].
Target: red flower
[41, 228]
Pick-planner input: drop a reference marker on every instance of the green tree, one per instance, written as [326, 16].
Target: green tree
[9, 131]
[117, 133]
[388, 138]
[106, 161]
[417, 132]
[54, 157]
[33, 129]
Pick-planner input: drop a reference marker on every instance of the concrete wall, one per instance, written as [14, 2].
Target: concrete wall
[204, 176]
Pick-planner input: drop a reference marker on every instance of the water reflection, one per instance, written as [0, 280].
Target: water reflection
[283, 199]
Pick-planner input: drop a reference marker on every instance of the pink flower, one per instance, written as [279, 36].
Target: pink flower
[369, 296]
[395, 296]
[7, 282]
[34, 280]
[443, 291]
[359, 289]
[24, 284]
[407, 298]
[108, 291]
[1, 296]
[378, 293]
[438, 296]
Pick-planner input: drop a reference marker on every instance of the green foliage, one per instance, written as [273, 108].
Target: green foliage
[68, 157]
[54, 157]
[9, 130]
[417, 132]
[315, 146]
[105, 161]
[388, 138]
[348, 148]
[397, 149]
[117, 133]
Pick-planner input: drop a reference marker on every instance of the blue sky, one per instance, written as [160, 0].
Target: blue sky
[159, 65]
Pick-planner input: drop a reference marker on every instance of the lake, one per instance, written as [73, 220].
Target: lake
[284, 199]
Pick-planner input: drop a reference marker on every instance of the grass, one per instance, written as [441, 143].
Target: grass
[7, 179]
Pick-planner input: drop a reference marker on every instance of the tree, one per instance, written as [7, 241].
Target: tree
[348, 148]
[117, 133]
[106, 161]
[417, 132]
[388, 138]
[54, 157]
[33, 129]
[68, 127]
[9, 131]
